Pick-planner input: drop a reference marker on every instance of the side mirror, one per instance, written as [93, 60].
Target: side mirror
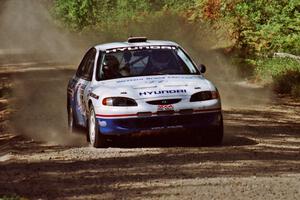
[202, 68]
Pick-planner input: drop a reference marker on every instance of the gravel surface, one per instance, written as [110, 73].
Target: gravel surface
[259, 159]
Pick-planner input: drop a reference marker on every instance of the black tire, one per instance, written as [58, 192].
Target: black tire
[73, 126]
[96, 139]
[214, 136]
[87, 132]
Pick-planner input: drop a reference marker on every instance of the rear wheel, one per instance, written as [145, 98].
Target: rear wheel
[72, 123]
[96, 138]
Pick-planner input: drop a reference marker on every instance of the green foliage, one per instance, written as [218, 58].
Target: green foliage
[256, 28]
[264, 26]
[99, 14]
[268, 68]
[283, 73]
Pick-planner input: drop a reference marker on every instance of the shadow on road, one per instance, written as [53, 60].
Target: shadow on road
[121, 175]
[258, 142]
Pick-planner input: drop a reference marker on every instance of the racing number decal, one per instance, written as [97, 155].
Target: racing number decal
[79, 102]
[80, 99]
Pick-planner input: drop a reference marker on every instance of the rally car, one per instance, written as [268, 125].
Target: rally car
[142, 86]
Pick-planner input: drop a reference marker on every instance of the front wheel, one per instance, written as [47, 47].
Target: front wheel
[96, 138]
[214, 137]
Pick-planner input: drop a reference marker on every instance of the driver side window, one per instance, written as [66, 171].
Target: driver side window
[85, 69]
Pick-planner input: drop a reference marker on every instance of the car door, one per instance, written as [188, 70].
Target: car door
[81, 87]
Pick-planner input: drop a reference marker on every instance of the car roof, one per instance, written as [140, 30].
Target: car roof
[104, 47]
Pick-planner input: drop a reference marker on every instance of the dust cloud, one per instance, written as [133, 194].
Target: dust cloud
[28, 33]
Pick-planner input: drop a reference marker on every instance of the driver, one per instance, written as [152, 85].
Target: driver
[111, 67]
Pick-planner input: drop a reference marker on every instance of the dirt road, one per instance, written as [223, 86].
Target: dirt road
[260, 157]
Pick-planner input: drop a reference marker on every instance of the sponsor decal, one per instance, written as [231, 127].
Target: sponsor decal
[156, 92]
[168, 127]
[158, 78]
[165, 107]
[139, 48]
[130, 80]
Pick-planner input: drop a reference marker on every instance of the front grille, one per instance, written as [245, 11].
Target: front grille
[164, 101]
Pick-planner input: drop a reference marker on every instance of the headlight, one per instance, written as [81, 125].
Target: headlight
[118, 101]
[205, 95]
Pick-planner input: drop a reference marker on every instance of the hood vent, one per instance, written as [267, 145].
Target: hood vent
[164, 101]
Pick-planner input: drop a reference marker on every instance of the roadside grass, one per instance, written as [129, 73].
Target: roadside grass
[14, 197]
[282, 73]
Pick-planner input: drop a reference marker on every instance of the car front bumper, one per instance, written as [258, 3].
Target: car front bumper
[123, 126]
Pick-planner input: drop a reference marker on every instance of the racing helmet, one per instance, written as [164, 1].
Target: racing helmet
[111, 67]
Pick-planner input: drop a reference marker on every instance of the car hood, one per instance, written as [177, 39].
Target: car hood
[153, 86]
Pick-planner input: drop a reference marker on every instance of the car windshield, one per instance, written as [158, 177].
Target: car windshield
[145, 62]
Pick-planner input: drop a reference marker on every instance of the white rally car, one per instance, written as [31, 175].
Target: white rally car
[142, 85]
